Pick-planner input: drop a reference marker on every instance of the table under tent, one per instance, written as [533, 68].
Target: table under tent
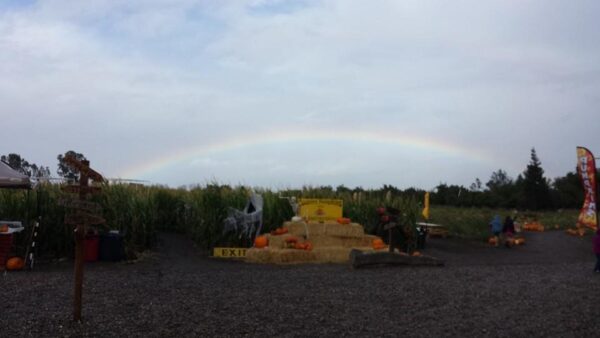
[10, 179]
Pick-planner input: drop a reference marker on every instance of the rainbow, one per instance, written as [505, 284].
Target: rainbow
[279, 137]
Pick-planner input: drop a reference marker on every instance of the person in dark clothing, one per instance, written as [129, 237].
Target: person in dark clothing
[509, 226]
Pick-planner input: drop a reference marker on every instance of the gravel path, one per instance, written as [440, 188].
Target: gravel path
[545, 288]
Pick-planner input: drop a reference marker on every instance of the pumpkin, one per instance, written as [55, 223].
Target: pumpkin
[493, 240]
[15, 263]
[308, 246]
[3, 228]
[378, 244]
[299, 246]
[519, 241]
[291, 239]
[261, 242]
[416, 253]
[343, 220]
[279, 231]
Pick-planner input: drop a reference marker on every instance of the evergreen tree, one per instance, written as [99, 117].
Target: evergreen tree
[536, 189]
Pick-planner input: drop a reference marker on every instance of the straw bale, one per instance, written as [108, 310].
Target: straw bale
[345, 230]
[255, 255]
[332, 254]
[289, 256]
[300, 228]
[320, 241]
[279, 256]
[278, 241]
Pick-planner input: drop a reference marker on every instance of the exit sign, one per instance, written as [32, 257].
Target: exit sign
[229, 252]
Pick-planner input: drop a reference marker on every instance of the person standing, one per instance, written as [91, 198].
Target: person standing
[509, 227]
[596, 245]
[496, 225]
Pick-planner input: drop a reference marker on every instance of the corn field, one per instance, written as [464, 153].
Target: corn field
[140, 212]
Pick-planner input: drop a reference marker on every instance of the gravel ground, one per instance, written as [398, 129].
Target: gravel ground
[545, 288]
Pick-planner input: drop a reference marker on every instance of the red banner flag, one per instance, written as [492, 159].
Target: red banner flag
[586, 166]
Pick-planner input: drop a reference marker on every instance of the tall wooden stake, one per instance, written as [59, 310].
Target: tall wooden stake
[80, 247]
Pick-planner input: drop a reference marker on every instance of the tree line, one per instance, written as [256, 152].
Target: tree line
[531, 190]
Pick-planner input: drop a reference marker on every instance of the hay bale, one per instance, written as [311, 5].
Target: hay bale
[300, 228]
[291, 256]
[321, 241]
[344, 230]
[278, 241]
[255, 255]
[279, 256]
[332, 254]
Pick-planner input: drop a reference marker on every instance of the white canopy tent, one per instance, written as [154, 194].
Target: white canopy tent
[12, 179]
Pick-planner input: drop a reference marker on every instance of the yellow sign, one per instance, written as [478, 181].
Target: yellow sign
[426, 207]
[320, 209]
[229, 252]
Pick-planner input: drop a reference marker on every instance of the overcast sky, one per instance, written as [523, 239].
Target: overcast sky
[288, 93]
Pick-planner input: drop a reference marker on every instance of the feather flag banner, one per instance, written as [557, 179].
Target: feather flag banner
[586, 166]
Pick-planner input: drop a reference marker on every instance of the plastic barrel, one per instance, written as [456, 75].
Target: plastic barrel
[111, 247]
[91, 248]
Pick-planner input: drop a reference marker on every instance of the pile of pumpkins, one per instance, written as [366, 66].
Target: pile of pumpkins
[534, 226]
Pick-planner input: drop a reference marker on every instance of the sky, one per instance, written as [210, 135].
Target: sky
[281, 94]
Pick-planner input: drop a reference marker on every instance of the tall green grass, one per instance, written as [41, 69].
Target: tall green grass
[140, 212]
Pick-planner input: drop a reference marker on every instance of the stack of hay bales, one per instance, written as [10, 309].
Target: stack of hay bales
[331, 242]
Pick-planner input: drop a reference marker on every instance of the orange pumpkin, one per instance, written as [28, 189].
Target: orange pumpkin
[493, 240]
[3, 228]
[300, 246]
[261, 242]
[15, 263]
[416, 253]
[308, 246]
[279, 231]
[291, 239]
[378, 244]
[343, 220]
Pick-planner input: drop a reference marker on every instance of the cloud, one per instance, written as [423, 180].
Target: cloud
[129, 82]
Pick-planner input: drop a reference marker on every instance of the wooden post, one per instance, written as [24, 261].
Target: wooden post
[80, 247]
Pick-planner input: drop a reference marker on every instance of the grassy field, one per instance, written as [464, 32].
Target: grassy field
[474, 222]
[140, 212]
